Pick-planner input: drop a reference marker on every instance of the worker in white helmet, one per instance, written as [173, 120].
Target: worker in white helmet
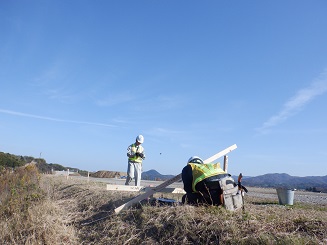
[187, 175]
[201, 182]
[135, 154]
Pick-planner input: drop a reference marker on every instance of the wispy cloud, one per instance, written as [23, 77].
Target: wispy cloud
[115, 99]
[297, 102]
[164, 134]
[15, 113]
[169, 102]
[62, 95]
[55, 84]
[160, 103]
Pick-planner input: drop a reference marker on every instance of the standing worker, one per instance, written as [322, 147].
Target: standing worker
[135, 154]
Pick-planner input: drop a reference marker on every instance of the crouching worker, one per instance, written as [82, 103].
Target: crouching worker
[209, 184]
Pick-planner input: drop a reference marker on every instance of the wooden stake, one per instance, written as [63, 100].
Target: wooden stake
[226, 163]
[142, 189]
[220, 154]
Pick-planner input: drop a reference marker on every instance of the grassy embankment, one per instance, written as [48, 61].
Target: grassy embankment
[28, 214]
[53, 210]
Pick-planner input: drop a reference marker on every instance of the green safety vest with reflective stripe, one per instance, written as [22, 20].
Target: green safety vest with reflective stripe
[203, 171]
[135, 149]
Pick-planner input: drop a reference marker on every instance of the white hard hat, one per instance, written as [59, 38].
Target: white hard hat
[195, 159]
[140, 138]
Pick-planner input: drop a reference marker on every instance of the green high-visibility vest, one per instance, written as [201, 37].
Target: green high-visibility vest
[203, 171]
[135, 149]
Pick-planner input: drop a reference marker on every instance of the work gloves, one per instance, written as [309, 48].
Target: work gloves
[141, 155]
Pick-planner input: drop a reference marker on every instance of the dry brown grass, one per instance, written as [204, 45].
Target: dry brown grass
[262, 222]
[76, 212]
[27, 215]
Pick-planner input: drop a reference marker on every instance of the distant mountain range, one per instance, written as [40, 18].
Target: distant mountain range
[155, 175]
[310, 183]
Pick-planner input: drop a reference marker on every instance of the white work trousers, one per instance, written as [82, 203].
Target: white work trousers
[134, 169]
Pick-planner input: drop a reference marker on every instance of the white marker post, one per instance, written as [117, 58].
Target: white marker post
[170, 181]
[226, 163]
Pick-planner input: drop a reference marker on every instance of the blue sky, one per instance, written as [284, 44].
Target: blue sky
[81, 79]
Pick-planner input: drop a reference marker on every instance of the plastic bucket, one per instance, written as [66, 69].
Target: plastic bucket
[285, 196]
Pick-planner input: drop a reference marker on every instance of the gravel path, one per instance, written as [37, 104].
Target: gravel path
[299, 196]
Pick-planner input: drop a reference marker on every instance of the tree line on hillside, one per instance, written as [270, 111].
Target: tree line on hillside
[8, 160]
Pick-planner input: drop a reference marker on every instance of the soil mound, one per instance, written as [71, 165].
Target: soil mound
[107, 174]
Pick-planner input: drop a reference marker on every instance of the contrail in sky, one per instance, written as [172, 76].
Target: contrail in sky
[15, 113]
[297, 102]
